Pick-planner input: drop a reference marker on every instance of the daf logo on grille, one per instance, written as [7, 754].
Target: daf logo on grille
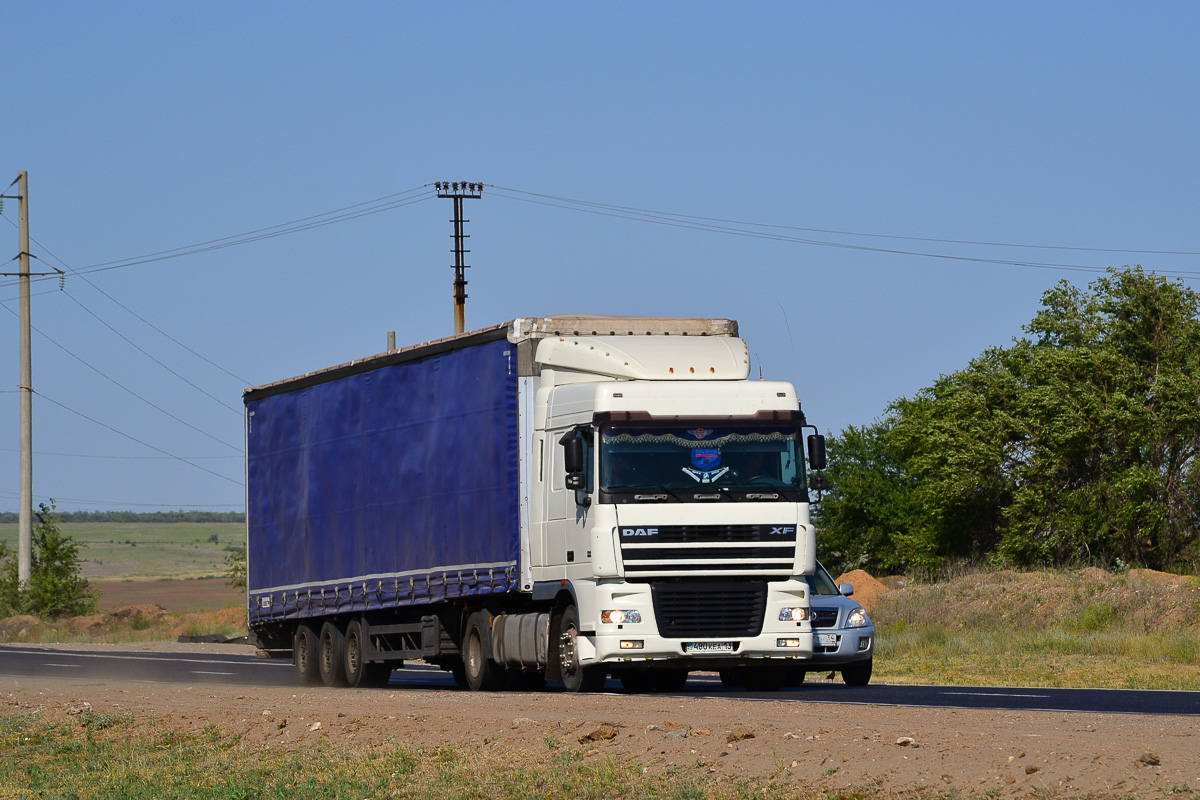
[639, 531]
[784, 530]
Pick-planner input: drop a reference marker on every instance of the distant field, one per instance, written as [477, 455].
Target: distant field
[149, 550]
[175, 596]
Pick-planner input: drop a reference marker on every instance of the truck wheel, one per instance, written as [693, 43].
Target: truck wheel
[458, 671]
[331, 655]
[305, 646]
[670, 680]
[576, 677]
[637, 681]
[858, 674]
[378, 675]
[482, 674]
[733, 678]
[353, 650]
[765, 679]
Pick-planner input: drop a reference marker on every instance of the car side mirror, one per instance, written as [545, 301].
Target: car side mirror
[846, 589]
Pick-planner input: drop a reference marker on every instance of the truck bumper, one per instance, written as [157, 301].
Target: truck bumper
[642, 642]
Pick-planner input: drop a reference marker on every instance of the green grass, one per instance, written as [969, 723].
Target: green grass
[1042, 629]
[117, 756]
[149, 549]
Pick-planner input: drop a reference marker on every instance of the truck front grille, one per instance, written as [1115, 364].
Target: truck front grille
[669, 550]
[709, 609]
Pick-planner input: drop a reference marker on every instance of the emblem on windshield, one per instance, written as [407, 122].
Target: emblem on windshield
[705, 477]
[701, 433]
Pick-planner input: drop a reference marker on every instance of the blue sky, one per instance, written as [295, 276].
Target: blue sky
[151, 126]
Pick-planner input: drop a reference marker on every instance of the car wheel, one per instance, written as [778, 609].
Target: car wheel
[858, 674]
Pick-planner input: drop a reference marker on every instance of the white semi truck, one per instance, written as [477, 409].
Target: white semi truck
[561, 499]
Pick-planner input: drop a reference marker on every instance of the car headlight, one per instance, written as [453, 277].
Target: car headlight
[620, 617]
[793, 614]
[858, 619]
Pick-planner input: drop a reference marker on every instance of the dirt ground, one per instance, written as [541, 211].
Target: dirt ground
[825, 747]
[201, 594]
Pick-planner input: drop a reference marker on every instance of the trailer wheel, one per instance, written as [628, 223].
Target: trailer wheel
[576, 677]
[305, 646]
[482, 674]
[332, 655]
[354, 649]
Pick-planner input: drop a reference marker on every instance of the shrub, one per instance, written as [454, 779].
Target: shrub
[55, 588]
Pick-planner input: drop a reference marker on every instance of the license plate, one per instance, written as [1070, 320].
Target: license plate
[708, 647]
[826, 639]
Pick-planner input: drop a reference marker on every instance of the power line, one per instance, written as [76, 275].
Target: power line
[673, 215]
[365, 209]
[698, 223]
[129, 310]
[139, 441]
[152, 358]
[120, 385]
[119, 504]
[122, 458]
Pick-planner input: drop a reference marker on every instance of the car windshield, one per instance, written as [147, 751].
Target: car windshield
[685, 458]
[821, 583]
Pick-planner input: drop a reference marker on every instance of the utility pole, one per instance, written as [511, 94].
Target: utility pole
[459, 191]
[25, 511]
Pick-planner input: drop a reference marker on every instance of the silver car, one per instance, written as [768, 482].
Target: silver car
[843, 636]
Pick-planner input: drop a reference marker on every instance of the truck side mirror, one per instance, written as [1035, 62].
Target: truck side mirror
[572, 453]
[816, 451]
[818, 483]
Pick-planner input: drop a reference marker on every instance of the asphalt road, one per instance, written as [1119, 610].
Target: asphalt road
[26, 661]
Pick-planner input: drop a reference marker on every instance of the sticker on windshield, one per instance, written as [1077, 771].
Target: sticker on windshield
[706, 458]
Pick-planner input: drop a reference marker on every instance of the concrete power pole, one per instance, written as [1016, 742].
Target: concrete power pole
[25, 511]
[459, 191]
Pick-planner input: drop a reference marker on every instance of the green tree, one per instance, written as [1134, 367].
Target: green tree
[1111, 404]
[1076, 444]
[235, 568]
[869, 517]
[55, 588]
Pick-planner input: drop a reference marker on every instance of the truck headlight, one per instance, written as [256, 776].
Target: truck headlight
[858, 619]
[620, 617]
[793, 614]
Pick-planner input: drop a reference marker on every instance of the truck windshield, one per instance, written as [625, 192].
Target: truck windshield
[686, 460]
